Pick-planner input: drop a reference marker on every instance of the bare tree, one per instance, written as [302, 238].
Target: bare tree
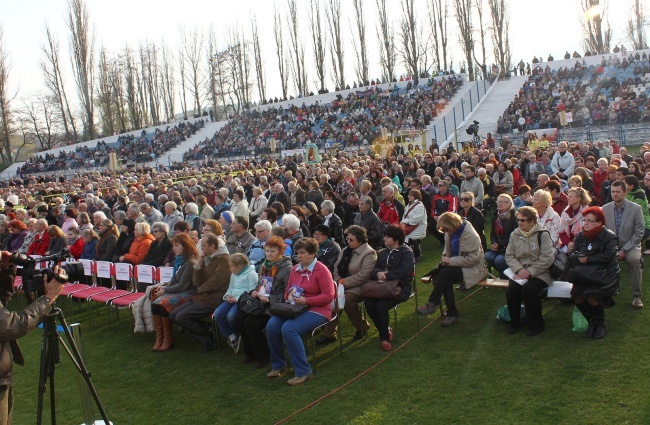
[409, 43]
[54, 82]
[258, 60]
[6, 115]
[501, 33]
[150, 71]
[168, 82]
[131, 83]
[319, 42]
[82, 49]
[182, 74]
[438, 16]
[39, 122]
[481, 32]
[359, 41]
[241, 67]
[105, 92]
[192, 46]
[116, 79]
[596, 31]
[333, 13]
[636, 25]
[385, 36]
[297, 49]
[211, 80]
[280, 52]
[466, 32]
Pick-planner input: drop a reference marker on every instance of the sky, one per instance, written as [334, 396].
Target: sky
[536, 28]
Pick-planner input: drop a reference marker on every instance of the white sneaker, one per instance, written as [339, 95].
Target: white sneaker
[637, 303]
[235, 344]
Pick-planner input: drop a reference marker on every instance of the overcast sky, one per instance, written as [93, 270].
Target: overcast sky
[537, 28]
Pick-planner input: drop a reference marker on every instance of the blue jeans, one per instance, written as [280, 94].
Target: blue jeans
[290, 330]
[496, 260]
[226, 317]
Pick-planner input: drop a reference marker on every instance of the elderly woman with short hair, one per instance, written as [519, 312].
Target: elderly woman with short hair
[547, 217]
[140, 245]
[463, 258]
[395, 262]
[529, 255]
[352, 269]
[160, 246]
[317, 292]
[332, 221]
[503, 224]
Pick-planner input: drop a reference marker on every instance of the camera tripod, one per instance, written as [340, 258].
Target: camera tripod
[50, 357]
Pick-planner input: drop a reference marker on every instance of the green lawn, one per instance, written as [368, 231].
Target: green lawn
[471, 373]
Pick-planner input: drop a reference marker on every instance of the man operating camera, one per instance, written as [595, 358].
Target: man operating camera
[14, 325]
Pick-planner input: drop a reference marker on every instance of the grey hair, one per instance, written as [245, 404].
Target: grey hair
[328, 205]
[290, 222]
[159, 225]
[264, 225]
[194, 209]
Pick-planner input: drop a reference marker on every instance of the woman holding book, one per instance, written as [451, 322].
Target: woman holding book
[273, 277]
[311, 284]
[528, 255]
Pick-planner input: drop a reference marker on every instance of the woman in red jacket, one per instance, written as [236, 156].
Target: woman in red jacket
[75, 242]
[140, 246]
[310, 283]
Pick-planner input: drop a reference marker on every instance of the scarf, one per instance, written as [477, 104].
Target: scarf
[179, 260]
[528, 233]
[270, 269]
[454, 241]
[498, 223]
[570, 221]
[591, 235]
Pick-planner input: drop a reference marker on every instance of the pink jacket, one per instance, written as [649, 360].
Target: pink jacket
[318, 285]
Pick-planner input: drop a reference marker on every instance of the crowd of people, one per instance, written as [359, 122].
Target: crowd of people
[353, 121]
[284, 235]
[128, 148]
[603, 94]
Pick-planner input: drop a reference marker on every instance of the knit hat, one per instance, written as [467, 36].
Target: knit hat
[228, 216]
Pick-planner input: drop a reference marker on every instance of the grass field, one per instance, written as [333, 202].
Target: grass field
[470, 373]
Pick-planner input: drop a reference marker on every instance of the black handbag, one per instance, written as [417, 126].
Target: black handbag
[433, 274]
[287, 310]
[588, 275]
[249, 305]
[560, 262]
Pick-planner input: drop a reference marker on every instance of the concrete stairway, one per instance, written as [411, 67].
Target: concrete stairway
[491, 107]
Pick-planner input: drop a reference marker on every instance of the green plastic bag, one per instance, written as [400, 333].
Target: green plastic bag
[504, 315]
[580, 324]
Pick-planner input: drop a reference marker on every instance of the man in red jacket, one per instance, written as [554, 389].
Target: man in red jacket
[41, 241]
[443, 201]
[390, 210]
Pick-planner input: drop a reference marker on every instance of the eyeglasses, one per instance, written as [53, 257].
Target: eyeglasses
[442, 185]
[155, 231]
[584, 220]
[465, 199]
[523, 220]
[350, 239]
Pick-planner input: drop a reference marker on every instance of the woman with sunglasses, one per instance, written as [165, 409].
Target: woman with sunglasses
[503, 224]
[469, 212]
[530, 262]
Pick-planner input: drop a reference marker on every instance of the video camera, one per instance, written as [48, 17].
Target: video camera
[33, 278]
[472, 129]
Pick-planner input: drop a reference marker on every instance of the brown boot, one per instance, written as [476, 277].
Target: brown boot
[168, 340]
[158, 328]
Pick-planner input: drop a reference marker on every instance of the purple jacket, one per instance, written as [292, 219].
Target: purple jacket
[15, 241]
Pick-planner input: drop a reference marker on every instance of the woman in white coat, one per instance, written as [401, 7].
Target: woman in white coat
[239, 205]
[414, 222]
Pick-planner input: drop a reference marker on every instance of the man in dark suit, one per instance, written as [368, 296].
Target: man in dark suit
[279, 195]
[298, 195]
[625, 218]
